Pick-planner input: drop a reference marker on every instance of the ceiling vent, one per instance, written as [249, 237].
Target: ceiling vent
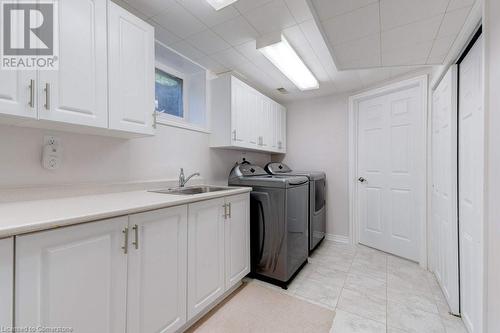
[282, 91]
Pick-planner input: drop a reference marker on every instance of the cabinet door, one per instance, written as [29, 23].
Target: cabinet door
[239, 111]
[6, 281]
[237, 239]
[131, 72]
[73, 277]
[264, 123]
[282, 129]
[18, 93]
[157, 271]
[77, 92]
[205, 254]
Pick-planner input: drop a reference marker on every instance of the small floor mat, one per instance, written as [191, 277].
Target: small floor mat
[255, 308]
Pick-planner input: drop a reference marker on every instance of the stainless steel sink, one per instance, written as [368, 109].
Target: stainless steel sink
[191, 190]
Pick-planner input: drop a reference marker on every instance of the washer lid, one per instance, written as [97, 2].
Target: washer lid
[275, 168]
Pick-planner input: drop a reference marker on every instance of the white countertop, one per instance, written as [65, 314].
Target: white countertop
[29, 216]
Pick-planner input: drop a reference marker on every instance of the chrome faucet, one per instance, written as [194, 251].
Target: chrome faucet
[183, 180]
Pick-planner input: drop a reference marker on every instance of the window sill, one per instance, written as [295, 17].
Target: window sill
[184, 125]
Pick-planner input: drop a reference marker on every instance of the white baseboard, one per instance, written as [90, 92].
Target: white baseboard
[338, 238]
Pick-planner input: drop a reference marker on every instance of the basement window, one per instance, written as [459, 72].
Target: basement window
[169, 94]
[180, 91]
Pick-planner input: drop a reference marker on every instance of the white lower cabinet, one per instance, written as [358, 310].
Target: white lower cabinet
[6, 281]
[144, 273]
[73, 277]
[205, 254]
[237, 239]
[157, 268]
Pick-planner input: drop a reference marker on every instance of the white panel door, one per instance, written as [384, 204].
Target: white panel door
[157, 271]
[205, 254]
[281, 129]
[6, 281]
[18, 93]
[77, 92]
[471, 186]
[131, 72]
[237, 239]
[73, 277]
[390, 145]
[444, 212]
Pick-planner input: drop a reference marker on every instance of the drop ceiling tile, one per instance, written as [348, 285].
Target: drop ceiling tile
[413, 33]
[246, 5]
[257, 77]
[453, 22]
[150, 7]
[440, 49]
[348, 81]
[407, 54]
[208, 42]
[456, 4]
[270, 17]
[299, 9]
[394, 13]
[327, 9]
[207, 14]
[179, 21]
[236, 31]
[211, 64]
[313, 35]
[370, 77]
[353, 25]
[187, 50]
[229, 58]
[163, 35]
[301, 45]
[131, 9]
[360, 53]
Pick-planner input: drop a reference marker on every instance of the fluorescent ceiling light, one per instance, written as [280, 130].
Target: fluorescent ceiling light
[283, 56]
[219, 4]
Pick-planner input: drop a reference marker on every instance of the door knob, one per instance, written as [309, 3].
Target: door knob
[361, 180]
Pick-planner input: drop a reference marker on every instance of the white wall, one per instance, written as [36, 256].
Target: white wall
[491, 31]
[96, 159]
[317, 140]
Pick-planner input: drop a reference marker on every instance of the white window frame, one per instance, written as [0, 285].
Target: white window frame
[168, 119]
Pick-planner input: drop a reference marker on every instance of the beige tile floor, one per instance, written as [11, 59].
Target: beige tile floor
[373, 292]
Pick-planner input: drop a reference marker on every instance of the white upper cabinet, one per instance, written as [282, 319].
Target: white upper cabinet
[18, 93]
[6, 281]
[243, 118]
[73, 277]
[131, 72]
[77, 92]
[105, 81]
[157, 271]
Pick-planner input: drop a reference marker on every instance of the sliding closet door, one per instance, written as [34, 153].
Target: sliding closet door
[444, 224]
[471, 186]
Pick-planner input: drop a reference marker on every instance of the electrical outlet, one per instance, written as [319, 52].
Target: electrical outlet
[51, 153]
[51, 140]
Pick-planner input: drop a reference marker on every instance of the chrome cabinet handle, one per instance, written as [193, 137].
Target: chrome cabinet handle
[31, 102]
[229, 210]
[136, 234]
[47, 96]
[234, 135]
[154, 119]
[125, 240]
[225, 211]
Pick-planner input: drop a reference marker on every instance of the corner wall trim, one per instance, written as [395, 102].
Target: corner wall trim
[338, 238]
